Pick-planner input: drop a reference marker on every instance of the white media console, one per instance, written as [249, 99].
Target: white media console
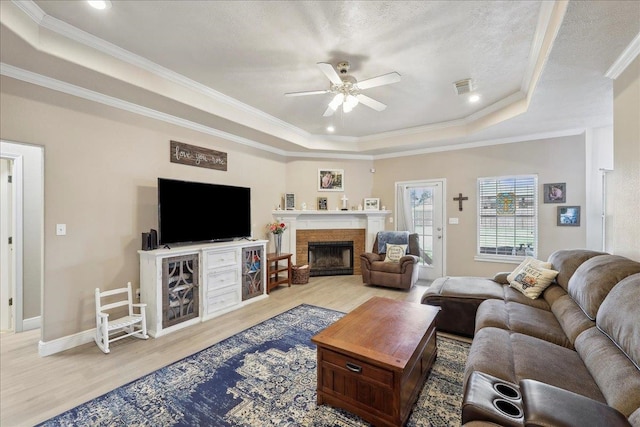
[191, 284]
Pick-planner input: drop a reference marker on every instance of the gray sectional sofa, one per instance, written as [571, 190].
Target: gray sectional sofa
[571, 357]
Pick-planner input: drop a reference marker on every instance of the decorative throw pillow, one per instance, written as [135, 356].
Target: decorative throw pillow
[527, 261]
[532, 278]
[395, 252]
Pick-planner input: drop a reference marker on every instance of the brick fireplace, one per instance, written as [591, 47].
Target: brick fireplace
[360, 227]
[357, 236]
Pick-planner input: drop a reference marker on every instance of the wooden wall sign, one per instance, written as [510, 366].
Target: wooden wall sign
[191, 155]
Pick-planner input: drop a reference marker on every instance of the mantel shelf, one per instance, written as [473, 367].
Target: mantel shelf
[371, 221]
[295, 213]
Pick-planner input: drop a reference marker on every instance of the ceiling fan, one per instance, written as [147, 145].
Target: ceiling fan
[347, 89]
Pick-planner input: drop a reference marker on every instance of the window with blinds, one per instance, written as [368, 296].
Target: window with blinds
[507, 216]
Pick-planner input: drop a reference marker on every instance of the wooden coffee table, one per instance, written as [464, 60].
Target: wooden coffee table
[374, 361]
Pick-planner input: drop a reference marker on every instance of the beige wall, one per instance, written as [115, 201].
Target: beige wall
[554, 160]
[101, 167]
[626, 175]
[100, 179]
[302, 180]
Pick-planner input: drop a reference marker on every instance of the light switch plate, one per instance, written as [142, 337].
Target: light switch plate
[61, 229]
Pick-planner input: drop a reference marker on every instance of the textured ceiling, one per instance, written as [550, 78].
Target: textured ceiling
[255, 51]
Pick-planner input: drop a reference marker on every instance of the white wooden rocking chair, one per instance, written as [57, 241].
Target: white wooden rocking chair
[134, 325]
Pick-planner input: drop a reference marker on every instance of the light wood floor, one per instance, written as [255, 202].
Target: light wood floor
[34, 388]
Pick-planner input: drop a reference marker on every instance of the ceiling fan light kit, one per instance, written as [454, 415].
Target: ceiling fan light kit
[347, 89]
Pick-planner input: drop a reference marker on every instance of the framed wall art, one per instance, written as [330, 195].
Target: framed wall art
[371, 204]
[569, 216]
[330, 179]
[322, 203]
[555, 193]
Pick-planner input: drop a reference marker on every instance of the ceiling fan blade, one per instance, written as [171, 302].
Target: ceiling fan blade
[328, 112]
[384, 79]
[309, 92]
[330, 72]
[371, 103]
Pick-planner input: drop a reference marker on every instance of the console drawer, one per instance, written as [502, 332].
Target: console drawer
[216, 259]
[220, 279]
[225, 298]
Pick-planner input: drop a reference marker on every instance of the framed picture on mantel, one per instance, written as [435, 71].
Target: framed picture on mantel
[371, 204]
[322, 203]
[289, 201]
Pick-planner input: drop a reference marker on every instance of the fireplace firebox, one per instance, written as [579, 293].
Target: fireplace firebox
[330, 258]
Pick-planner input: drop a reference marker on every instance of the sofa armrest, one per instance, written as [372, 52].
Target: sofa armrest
[407, 260]
[502, 277]
[371, 257]
[547, 405]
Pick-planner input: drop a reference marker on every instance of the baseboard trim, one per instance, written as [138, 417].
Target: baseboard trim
[47, 348]
[31, 323]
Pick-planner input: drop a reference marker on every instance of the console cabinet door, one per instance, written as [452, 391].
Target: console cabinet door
[180, 289]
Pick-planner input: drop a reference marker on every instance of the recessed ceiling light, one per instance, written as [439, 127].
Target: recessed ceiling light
[474, 98]
[331, 129]
[100, 4]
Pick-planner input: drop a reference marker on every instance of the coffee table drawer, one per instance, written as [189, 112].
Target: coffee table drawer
[356, 386]
[358, 368]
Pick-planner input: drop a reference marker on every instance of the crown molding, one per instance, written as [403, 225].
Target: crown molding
[90, 95]
[549, 19]
[80, 92]
[75, 34]
[484, 143]
[626, 57]
[31, 10]
[544, 17]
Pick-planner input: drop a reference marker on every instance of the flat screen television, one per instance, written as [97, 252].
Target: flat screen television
[190, 212]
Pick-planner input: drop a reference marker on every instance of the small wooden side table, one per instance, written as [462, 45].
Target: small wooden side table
[275, 269]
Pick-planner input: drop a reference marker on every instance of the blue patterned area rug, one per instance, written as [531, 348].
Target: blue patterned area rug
[263, 376]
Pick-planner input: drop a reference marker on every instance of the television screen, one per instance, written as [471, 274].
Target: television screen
[190, 212]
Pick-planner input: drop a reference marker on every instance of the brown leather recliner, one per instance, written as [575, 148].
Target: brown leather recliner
[402, 274]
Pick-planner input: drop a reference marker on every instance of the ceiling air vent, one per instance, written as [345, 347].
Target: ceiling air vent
[463, 86]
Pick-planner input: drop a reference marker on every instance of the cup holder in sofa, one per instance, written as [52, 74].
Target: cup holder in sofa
[508, 408]
[491, 399]
[507, 391]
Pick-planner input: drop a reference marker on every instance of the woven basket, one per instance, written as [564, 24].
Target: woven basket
[300, 276]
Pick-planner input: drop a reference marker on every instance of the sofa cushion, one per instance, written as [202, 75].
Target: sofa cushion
[619, 317]
[593, 280]
[566, 261]
[570, 317]
[521, 318]
[513, 357]
[511, 295]
[617, 377]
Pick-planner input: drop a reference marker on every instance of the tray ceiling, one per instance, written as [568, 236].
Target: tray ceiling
[538, 66]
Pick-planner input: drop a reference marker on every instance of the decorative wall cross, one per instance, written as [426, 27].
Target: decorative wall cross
[459, 199]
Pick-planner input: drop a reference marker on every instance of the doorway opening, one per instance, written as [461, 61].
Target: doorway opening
[22, 271]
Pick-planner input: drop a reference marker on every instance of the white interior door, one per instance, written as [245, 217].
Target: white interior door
[6, 248]
[420, 209]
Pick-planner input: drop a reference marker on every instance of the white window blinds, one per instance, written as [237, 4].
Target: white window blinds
[508, 216]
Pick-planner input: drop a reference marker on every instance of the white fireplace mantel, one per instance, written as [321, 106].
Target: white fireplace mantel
[371, 221]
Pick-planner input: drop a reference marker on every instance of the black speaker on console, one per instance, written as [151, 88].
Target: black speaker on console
[154, 238]
[146, 241]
